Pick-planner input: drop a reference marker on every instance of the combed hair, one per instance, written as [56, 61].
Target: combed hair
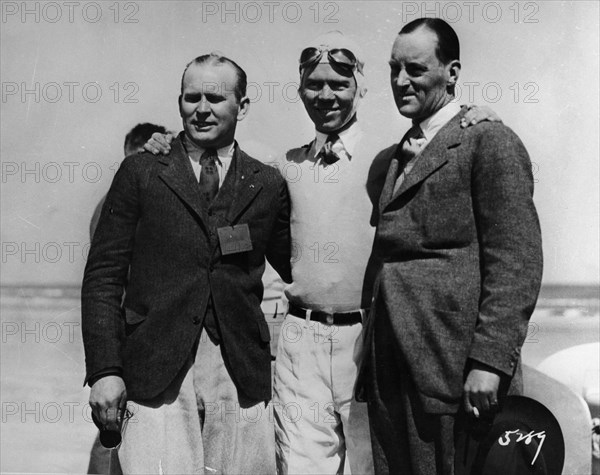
[215, 58]
[140, 134]
[448, 48]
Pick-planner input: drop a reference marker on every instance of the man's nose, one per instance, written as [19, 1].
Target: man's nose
[402, 79]
[203, 107]
[325, 93]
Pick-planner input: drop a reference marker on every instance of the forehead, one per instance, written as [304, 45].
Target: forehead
[420, 45]
[210, 77]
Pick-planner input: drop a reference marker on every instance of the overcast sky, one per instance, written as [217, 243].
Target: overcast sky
[76, 76]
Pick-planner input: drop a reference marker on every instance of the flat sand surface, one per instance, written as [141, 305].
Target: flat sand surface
[46, 425]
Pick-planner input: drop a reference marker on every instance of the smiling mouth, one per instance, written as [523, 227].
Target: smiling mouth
[202, 125]
[326, 111]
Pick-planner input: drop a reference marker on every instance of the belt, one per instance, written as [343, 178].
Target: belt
[345, 318]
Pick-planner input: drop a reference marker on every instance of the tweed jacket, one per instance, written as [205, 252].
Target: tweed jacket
[155, 260]
[460, 255]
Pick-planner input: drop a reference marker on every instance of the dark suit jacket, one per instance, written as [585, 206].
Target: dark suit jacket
[460, 257]
[156, 226]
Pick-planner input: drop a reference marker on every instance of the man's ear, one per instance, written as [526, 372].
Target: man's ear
[453, 69]
[243, 108]
[179, 104]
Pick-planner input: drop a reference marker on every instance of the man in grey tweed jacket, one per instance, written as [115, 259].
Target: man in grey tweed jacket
[460, 254]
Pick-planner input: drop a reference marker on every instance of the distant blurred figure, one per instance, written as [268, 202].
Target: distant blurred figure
[134, 142]
[101, 459]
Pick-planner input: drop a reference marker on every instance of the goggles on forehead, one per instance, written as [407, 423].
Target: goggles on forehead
[341, 57]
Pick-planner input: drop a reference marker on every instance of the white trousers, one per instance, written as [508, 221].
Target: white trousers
[320, 428]
[199, 425]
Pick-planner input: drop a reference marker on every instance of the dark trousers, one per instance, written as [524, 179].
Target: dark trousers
[405, 439]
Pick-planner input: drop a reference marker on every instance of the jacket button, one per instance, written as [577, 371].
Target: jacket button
[197, 320]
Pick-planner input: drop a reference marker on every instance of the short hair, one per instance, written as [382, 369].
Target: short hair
[448, 48]
[140, 134]
[215, 58]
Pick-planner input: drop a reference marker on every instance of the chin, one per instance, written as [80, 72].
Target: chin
[408, 111]
[328, 128]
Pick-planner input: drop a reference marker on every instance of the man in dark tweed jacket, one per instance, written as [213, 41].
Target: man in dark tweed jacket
[184, 238]
[460, 254]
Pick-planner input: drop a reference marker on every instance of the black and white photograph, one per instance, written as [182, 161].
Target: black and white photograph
[300, 237]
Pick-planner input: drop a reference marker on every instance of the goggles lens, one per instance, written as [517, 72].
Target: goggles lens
[339, 56]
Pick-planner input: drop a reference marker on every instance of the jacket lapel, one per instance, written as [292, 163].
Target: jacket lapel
[390, 180]
[179, 177]
[240, 187]
[434, 156]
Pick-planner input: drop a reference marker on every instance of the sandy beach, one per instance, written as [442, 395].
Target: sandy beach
[46, 425]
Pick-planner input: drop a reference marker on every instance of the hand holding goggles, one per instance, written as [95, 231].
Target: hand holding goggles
[341, 57]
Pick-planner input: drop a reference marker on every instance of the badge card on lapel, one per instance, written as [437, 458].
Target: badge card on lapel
[234, 239]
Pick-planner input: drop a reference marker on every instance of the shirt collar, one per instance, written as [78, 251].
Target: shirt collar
[349, 138]
[435, 122]
[224, 154]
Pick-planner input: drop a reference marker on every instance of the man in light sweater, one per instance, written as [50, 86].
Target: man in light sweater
[334, 184]
[320, 428]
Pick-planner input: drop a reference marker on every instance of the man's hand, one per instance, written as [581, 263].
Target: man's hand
[159, 143]
[481, 389]
[474, 115]
[108, 400]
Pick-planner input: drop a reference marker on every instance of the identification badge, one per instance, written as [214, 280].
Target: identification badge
[234, 239]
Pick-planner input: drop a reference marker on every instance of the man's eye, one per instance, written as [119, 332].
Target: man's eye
[339, 87]
[414, 71]
[214, 98]
[192, 98]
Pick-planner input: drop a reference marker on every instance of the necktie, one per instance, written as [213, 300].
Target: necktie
[412, 144]
[328, 155]
[209, 176]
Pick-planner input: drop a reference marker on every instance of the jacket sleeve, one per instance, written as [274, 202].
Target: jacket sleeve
[510, 247]
[279, 247]
[105, 276]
